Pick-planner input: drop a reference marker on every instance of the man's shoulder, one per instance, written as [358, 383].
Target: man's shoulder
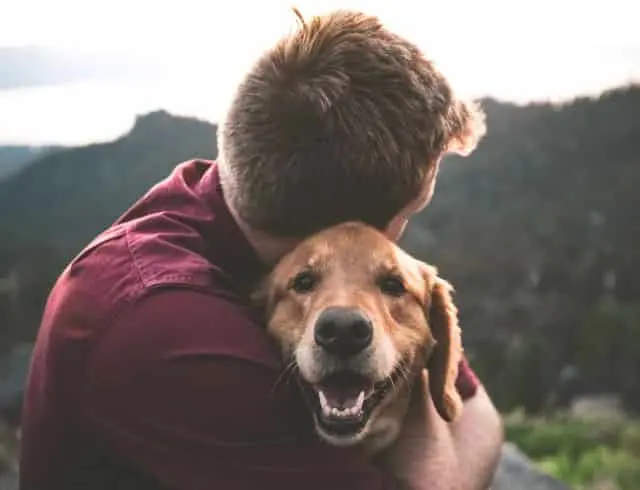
[122, 264]
[186, 304]
[124, 269]
[188, 322]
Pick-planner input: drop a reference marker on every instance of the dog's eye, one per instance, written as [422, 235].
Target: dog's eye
[392, 285]
[304, 282]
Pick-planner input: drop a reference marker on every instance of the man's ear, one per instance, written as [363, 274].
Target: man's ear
[467, 126]
[445, 357]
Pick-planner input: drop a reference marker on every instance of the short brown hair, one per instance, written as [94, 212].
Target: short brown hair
[341, 120]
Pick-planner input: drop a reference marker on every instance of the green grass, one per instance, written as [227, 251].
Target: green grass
[581, 453]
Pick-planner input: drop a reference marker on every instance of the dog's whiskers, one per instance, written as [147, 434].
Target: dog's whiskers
[404, 374]
[399, 378]
[285, 375]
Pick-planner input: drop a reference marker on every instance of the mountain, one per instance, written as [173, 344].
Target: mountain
[538, 231]
[83, 189]
[12, 158]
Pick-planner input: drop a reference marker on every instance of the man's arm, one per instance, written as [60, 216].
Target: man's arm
[181, 388]
[478, 436]
[433, 455]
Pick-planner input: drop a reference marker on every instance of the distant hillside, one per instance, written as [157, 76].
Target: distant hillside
[550, 191]
[67, 197]
[12, 158]
[538, 230]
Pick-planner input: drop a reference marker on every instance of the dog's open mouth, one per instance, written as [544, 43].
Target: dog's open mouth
[344, 401]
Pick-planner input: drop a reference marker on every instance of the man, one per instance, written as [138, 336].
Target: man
[152, 370]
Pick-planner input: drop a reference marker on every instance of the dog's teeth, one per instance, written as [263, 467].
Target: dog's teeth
[357, 408]
[324, 404]
[329, 411]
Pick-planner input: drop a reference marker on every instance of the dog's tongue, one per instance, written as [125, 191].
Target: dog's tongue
[343, 390]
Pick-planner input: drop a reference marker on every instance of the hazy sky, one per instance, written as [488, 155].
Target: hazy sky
[513, 50]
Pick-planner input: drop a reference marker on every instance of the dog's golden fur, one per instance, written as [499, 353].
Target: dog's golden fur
[413, 318]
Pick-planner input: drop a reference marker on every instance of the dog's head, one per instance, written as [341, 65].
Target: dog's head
[358, 317]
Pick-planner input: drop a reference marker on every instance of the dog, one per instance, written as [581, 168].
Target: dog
[357, 318]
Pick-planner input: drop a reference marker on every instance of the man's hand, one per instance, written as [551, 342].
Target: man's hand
[433, 455]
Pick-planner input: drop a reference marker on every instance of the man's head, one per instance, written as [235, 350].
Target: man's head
[341, 120]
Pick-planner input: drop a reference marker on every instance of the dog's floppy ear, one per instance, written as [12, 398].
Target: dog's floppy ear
[445, 357]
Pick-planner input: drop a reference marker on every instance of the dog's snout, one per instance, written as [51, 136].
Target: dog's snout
[343, 331]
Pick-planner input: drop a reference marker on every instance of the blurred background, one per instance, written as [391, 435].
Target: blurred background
[539, 229]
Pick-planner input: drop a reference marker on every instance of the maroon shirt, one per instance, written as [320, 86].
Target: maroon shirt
[151, 370]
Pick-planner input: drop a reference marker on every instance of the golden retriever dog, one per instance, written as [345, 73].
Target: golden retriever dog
[357, 317]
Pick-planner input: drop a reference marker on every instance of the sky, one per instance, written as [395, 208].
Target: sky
[518, 51]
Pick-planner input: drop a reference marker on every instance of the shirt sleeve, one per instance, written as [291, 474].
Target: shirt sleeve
[181, 386]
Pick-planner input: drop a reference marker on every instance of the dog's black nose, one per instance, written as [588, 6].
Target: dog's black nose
[343, 331]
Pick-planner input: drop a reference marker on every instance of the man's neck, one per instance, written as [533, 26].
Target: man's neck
[268, 248]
